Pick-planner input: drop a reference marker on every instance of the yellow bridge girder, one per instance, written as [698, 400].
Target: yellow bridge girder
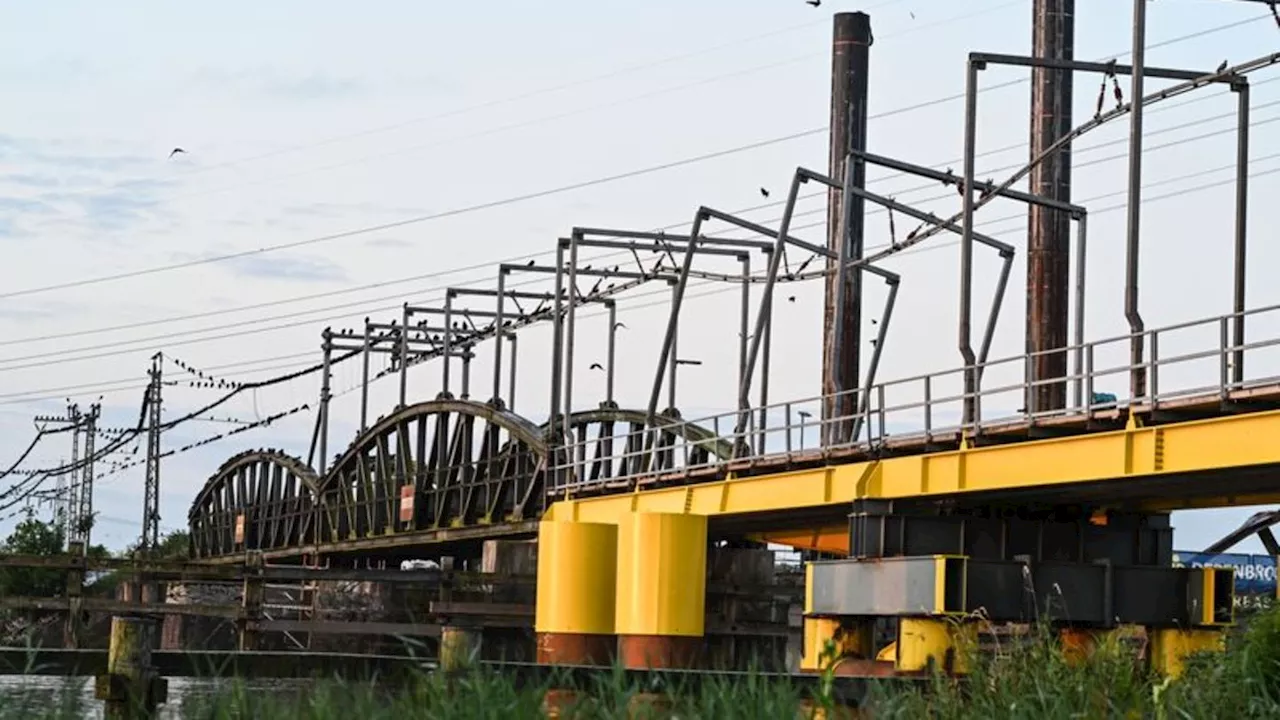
[1200, 463]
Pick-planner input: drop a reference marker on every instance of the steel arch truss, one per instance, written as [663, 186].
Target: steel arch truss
[609, 442]
[437, 464]
[260, 499]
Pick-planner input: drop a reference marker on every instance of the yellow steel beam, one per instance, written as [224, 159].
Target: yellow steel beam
[1224, 444]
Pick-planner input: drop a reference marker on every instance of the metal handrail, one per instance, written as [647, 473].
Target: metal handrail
[872, 420]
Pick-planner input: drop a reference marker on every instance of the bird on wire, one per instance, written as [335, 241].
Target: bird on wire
[175, 151]
[1222, 67]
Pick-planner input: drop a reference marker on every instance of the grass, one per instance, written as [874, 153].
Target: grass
[1029, 680]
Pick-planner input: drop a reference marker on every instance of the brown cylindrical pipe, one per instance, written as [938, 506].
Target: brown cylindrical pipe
[1049, 230]
[842, 318]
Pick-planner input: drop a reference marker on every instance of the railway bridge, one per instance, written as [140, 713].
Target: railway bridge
[926, 502]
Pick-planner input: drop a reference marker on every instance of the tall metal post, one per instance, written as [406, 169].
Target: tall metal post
[611, 357]
[364, 379]
[744, 323]
[511, 393]
[151, 497]
[970, 414]
[570, 329]
[326, 349]
[1049, 230]
[673, 359]
[404, 355]
[448, 344]
[842, 318]
[498, 334]
[72, 501]
[84, 513]
[557, 339]
[1137, 373]
[1242, 230]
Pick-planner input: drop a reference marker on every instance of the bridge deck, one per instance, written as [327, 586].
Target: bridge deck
[1063, 427]
[1223, 460]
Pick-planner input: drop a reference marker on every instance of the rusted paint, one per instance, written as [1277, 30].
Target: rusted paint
[575, 649]
[647, 652]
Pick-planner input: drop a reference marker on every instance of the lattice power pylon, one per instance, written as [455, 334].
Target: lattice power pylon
[151, 498]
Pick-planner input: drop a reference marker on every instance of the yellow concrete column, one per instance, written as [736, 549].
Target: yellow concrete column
[574, 610]
[577, 572]
[661, 601]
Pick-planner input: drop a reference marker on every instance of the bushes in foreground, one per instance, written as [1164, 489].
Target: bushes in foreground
[1029, 680]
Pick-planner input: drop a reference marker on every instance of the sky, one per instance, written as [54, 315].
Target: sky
[497, 127]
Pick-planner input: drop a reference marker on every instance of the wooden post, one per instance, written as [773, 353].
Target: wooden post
[459, 648]
[75, 591]
[130, 687]
[253, 597]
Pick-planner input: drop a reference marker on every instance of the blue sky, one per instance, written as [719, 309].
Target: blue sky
[307, 119]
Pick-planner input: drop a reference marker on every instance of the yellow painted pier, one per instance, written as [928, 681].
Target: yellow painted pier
[1136, 474]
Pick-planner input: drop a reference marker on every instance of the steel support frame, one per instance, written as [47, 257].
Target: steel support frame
[659, 242]
[782, 238]
[1078, 213]
[1191, 79]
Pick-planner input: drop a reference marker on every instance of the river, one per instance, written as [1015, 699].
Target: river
[30, 696]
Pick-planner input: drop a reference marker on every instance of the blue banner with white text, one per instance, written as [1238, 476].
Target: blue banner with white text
[1255, 574]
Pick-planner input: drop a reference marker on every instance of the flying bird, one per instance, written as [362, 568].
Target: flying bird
[619, 325]
[596, 366]
[175, 151]
[791, 299]
[764, 192]
[814, 3]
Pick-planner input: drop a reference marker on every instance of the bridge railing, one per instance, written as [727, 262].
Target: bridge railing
[1185, 364]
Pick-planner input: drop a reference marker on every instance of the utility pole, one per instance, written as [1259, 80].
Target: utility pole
[150, 539]
[842, 319]
[82, 519]
[1049, 230]
[67, 490]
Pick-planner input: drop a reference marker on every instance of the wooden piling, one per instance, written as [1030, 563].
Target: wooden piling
[459, 648]
[130, 689]
[254, 594]
[74, 627]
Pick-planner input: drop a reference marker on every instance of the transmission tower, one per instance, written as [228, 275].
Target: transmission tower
[81, 520]
[67, 498]
[151, 498]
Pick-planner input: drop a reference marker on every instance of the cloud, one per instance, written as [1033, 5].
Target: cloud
[36, 181]
[29, 311]
[390, 243]
[277, 267]
[313, 85]
[62, 155]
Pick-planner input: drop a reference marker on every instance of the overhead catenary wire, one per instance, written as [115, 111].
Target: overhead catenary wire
[66, 355]
[283, 378]
[472, 208]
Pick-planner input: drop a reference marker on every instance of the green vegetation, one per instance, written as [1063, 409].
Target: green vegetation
[1030, 680]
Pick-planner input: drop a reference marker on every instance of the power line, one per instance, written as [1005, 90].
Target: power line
[271, 382]
[477, 207]
[41, 359]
